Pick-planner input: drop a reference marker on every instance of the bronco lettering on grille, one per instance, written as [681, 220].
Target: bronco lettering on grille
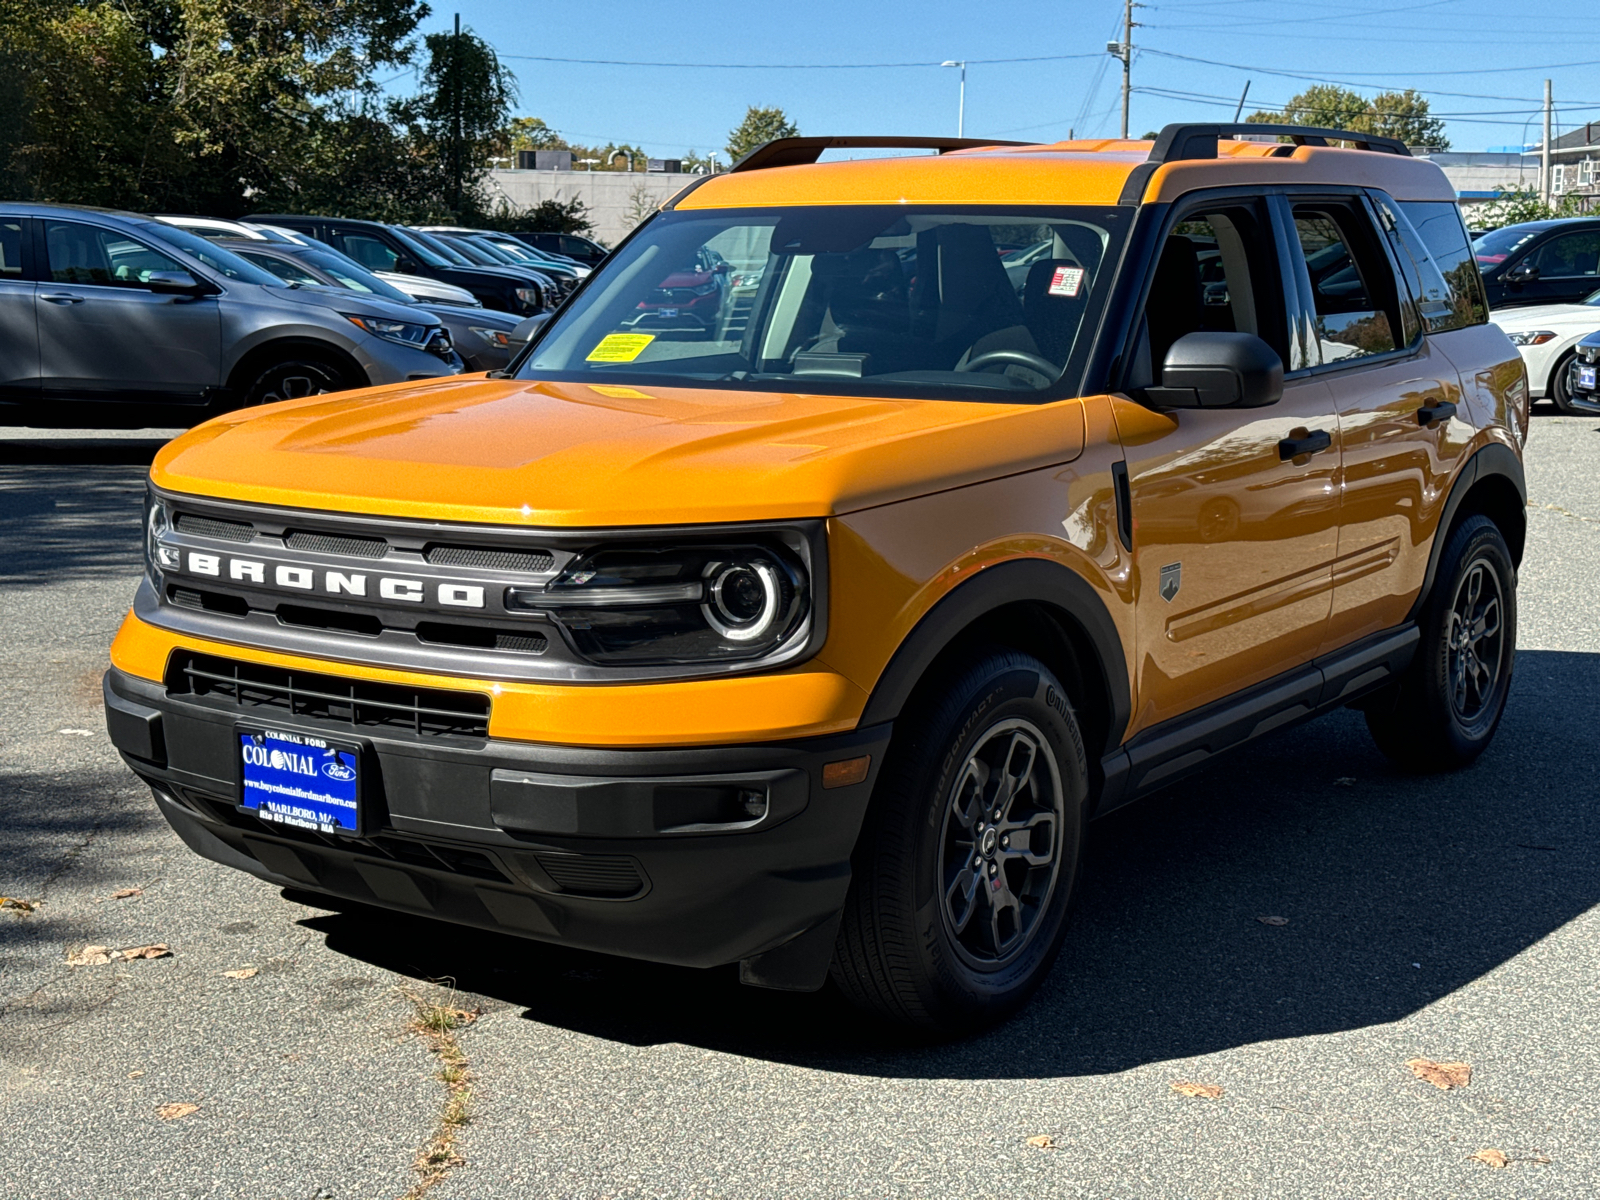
[335, 583]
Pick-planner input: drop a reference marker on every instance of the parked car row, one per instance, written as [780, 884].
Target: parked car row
[1543, 281]
[119, 319]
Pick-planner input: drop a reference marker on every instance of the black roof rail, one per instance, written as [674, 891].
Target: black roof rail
[802, 151]
[1181, 141]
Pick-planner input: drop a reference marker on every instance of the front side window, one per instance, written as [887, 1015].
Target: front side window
[219, 258]
[368, 251]
[1571, 254]
[89, 255]
[1352, 287]
[959, 303]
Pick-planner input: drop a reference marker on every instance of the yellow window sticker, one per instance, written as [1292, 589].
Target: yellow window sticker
[620, 347]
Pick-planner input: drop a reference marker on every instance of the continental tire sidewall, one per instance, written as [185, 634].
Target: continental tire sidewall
[964, 996]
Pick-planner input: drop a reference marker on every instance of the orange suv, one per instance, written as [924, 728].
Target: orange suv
[807, 630]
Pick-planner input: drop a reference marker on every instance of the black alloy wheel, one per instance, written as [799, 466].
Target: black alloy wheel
[965, 869]
[293, 379]
[1444, 711]
[1561, 386]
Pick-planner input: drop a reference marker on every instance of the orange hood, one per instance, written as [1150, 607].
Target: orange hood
[567, 454]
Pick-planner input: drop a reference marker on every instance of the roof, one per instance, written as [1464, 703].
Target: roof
[1076, 172]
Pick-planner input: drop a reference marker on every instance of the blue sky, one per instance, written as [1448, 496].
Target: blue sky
[1482, 75]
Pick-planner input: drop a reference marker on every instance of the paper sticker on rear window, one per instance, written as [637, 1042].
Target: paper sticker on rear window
[1066, 281]
[620, 347]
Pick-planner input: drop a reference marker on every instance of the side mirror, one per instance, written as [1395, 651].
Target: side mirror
[406, 266]
[1523, 272]
[175, 283]
[528, 329]
[1219, 370]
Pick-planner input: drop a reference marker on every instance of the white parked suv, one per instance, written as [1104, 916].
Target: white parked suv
[1548, 336]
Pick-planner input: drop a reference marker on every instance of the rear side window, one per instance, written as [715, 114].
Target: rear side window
[10, 249]
[368, 251]
[1437, 226]
[1352, 287]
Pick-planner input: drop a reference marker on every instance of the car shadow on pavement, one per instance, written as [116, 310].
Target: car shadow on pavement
[1397, 891]
[61, 524]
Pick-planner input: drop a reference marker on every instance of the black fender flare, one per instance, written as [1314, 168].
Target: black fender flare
[1038, 580]
[1495, 459]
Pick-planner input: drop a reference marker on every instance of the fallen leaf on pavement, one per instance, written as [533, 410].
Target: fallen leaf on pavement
[159, 950]
[1209, 1090]
[125, 893]
[1273, 920]
[134, 1074]
[77, 732]
[1042, 1141]
[26, 906]
[1443, 1076]
[242, 973]
[1492, 1158]
[171, 1112]
[90, 956]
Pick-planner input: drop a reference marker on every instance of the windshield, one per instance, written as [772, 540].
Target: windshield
[353, 275]
[223, 262]
[1497, 246]
[424, 252]
[959, 303]
[473, 252]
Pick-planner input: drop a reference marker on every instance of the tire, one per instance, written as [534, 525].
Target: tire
[926, 939]
[1560, 392]
[295, 376]
[1444, 711]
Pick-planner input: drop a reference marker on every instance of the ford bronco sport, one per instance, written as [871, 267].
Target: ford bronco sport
[807, 629]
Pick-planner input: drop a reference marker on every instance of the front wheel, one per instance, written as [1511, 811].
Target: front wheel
[966, 867]
[293, 378]
[1561, 386]
[1443, 712]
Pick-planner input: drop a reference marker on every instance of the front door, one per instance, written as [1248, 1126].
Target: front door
[103, 335]
[19, 327]
[1567, 269]
[1235, 510]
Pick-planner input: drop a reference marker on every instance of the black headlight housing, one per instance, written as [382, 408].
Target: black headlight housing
[679, 605]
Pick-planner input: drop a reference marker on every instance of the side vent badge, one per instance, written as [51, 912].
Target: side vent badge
[1171, 580]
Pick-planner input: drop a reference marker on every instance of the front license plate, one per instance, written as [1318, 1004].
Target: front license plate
[666, 312]
[1586, 376]
[300, 780]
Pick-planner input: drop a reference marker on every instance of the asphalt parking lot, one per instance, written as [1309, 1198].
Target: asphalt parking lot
[1451, 918]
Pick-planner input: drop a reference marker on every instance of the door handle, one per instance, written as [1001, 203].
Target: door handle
[1292, 447]
[1430, 414]
[61, 297]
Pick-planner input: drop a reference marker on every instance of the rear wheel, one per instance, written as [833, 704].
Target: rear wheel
[966, 868]
[1444, 711]
[1560, 385]
[294, 377]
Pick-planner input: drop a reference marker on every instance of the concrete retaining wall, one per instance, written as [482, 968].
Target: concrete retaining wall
[616, 200]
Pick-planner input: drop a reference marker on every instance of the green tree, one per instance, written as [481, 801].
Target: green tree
[1513, 204]
[1402, 115]
[760, 125]
[458, 119]
[548, 216]
[531, 133]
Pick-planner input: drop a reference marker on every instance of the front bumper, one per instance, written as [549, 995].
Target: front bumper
[601, 849]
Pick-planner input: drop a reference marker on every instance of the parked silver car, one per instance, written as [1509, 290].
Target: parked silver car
[113, 319]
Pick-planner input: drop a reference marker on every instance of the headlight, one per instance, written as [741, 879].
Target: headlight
[705, 289]
[156, 522]
[1533, 337]
[529, 298]
[404, 333]
[690, 604]
[497, 338]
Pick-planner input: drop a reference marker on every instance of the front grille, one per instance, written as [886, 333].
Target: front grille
[480, 637]
[210, 527]
[347, 703]
[206, 601]
[324, 543]
[533, 561]
[592, 874]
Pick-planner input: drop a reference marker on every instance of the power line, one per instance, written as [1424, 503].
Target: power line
[880, 66]
[1212, 62]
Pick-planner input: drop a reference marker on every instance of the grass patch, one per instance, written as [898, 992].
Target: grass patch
[437, 1025]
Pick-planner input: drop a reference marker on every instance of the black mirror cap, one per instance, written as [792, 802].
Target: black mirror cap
[176, 283]
[1523, 272]
[1219, 370]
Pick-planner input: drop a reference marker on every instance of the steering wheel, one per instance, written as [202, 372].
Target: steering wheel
[1019, 358]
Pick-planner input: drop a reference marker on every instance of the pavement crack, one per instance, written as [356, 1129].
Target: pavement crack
[437, 1024]
[1565, 512]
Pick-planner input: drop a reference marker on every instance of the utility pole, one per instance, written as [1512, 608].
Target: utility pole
[1124, 51]
[1544, 150]
[455, 101]
[1242, 95]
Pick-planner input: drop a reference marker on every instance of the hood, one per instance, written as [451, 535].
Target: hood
[347, 300]
[1531, 316]
[566, 454]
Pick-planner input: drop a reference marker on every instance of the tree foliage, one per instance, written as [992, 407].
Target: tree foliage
[760, 125]
[1402, 115]
[1512, 205]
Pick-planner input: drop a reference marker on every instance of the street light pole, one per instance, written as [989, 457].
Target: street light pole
[1124, 50]
[961, 109]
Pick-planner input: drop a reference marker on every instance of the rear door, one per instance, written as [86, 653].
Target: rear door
[19, 327]
[1397, 397]
[103, 335]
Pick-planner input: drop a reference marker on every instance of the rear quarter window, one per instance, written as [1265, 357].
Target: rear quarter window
[1437, 225]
